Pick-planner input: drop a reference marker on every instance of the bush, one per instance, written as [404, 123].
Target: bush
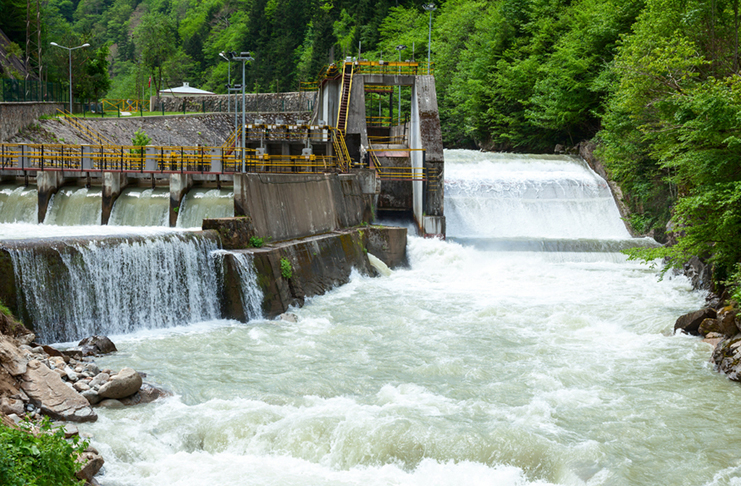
[286, 270]
[256, 242]
[46, 459]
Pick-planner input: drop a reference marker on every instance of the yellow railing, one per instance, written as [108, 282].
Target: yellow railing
[82, 129]
[340, 148]
[390, 67]
[152, 159]
[125, 105]
[308, 86]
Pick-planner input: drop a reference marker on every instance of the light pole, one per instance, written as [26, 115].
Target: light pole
[400, 48]
[229, 83]
[244, 57]
[430, 7]
[70, 49]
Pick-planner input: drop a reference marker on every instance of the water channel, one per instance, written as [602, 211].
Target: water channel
[523, 350]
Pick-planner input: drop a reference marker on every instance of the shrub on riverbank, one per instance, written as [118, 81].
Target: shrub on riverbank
[38, 458]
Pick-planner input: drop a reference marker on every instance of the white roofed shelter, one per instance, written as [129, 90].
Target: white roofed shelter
[184, 90]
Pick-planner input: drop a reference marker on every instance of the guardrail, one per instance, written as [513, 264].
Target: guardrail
[153, 159]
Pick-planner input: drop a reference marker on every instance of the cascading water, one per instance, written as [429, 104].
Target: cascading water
[71, 206]
[76, 288]
[18, 204]
[251, 293]
[137, 206]
[473, 366]
[199, 204]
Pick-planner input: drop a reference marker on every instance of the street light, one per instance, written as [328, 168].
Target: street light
[229, 84]
[430, 7]
[400, 48]
[70, 49]
[244, 57]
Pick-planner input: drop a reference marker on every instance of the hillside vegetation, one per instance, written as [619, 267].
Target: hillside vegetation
[654, 82]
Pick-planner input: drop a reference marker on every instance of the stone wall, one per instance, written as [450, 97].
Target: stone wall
[14, 116]
[296, 102]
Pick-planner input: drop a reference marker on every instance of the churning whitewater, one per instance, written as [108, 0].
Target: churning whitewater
[473, 366]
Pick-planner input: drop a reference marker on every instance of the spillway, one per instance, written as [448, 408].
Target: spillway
[18, 204]
[71, 206]
[201, 203]
[137, 206]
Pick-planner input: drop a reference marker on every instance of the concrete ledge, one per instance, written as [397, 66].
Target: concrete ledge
[389, 244]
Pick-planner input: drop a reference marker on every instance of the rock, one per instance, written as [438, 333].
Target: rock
[81, 386]
[110, 403]
[57, 361]
[55, 398]
[11, 359]
[68, 429]
[74, 353]
[690, 323]
[727, 321]
[698, 273]
[124, 384]
[10, 406]
[146, 394]
[51, 351]
[100, 344]
[60, 372]
[289, 317]
[91, 396]
[709, 326]
[71, 375]
[91, 464]
[91, 368]
[99, 379]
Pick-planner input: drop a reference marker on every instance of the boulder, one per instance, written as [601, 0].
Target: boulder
[727, 321]
[91, 396]
[709, 326]
[146, 394]
[91, 464]
[99, 344]
[11, 405]
[690, 323]
[55, 399]
[99, 379]
[11, 358]
[110, 403]
[122, 385]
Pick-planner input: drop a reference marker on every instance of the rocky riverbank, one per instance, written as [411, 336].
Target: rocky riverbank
[66, 386]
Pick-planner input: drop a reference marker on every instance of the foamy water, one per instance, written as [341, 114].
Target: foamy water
[473, 366]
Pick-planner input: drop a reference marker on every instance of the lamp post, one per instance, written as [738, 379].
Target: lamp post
[70, 49]
[430, 7]
[400, 48]
[229, 83]
[244, 57]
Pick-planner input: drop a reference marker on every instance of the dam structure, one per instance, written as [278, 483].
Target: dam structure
[395, 169]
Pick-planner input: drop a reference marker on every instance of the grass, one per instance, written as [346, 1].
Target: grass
[4, 309]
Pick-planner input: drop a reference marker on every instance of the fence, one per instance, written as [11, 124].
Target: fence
[13, 90]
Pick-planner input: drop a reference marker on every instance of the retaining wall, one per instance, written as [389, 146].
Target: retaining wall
[255, 102]
[286, 206]
[14, 116]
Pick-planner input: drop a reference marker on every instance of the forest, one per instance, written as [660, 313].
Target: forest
[653, 82]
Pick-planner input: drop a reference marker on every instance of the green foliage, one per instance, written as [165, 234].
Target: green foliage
[46, 459]
[141, 139]
[256, 242]
[5, 310]
[286, 269]
[14, 49]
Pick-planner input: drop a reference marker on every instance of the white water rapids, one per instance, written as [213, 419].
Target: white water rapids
[474, 366]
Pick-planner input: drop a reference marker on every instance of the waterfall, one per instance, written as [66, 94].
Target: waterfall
[531, 203]
[199, 204]
[71, 206]
[18, 204]
[73, 288]
[250, 291]
[137, 206]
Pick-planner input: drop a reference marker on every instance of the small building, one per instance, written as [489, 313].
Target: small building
[184, 90]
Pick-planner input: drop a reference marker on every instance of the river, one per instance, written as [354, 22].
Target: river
[523, 350]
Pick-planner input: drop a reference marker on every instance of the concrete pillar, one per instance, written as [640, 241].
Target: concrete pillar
[86, 156]
[47, 183]
[150, 163]
[113, 185]
[179, 186]
[214, 155]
